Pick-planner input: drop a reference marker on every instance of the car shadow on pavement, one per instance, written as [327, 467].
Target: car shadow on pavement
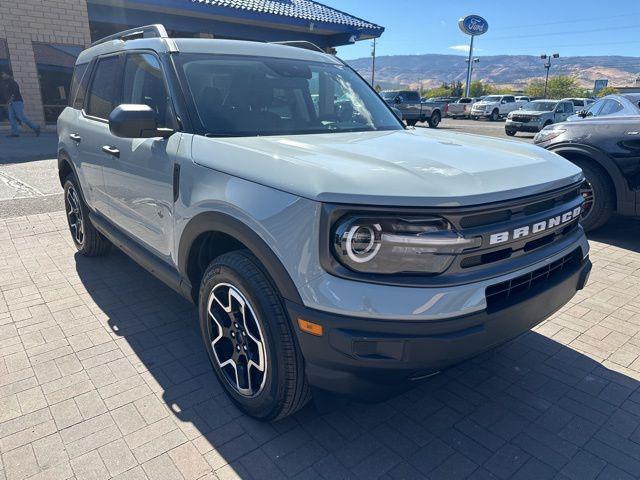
[532, 408]
[623, 232]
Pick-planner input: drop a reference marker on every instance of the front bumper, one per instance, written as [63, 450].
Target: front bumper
[522, 127]
[372, 358]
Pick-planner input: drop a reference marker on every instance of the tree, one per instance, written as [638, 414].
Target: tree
[561, 86]
[378, 87]
[479, 89]
[457, 89]
[607, 91]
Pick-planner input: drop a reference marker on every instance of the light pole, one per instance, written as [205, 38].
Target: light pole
[373, 63]
[470, 72]
[547, 65]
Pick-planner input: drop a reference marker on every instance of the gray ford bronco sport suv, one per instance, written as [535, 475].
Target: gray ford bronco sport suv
[328, 247]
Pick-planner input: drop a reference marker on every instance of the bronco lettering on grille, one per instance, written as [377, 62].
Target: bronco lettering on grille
[537, 227]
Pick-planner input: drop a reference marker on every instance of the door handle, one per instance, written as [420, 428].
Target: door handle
[75, 137]
[111, 150]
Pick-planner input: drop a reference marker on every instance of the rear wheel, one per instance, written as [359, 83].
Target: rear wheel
[434, 120]
[598, 194]
[86, 238]
[249, 338]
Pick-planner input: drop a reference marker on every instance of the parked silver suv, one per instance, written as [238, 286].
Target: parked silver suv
[328, 248]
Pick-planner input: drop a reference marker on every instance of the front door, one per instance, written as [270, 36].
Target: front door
[139, 178]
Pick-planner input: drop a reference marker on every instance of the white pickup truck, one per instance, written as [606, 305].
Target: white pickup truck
[494, 107]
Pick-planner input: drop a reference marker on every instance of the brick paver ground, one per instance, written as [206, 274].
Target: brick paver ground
[102, 374]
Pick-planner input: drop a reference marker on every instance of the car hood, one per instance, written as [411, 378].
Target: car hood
[533, 113]
[413, 167]
[484, 104]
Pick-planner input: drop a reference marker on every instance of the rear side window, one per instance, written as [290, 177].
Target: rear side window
[79, 83]
[102, 94]
[412, 96]
[144, 84]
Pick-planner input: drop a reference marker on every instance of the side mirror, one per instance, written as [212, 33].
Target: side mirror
[136, 121]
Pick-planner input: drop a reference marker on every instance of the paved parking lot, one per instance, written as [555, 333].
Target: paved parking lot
[102, 375]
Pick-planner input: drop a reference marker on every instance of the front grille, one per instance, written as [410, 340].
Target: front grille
[522, 118]
[506, 293]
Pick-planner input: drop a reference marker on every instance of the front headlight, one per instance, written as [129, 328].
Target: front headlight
[391, 245]
[548, 133]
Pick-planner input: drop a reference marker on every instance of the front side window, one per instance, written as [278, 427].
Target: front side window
[144, 85]
[594, 109]
[102, 95]
[250, 96]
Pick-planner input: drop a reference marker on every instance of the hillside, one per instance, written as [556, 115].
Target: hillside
[513, 70]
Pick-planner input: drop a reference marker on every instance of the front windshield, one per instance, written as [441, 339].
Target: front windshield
[249, 96]
[492, 98]
[540, 106]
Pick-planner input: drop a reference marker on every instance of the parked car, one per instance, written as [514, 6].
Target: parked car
[579, 103]
[494, 107]
[607, 148]
[536, 115]
[413, 109]
[327, 246]
[461, 108]
[624, 105]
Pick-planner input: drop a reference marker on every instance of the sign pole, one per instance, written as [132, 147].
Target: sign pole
[472, 25]
[469, 67]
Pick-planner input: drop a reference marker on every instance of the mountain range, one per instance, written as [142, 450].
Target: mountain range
[516, 71]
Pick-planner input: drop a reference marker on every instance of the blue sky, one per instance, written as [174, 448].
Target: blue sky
[570, 27]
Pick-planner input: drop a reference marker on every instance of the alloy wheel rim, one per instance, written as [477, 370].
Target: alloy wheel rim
[74, 215]
[588, 195]
[236, 339]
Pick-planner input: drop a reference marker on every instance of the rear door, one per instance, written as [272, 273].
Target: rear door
[139, 176]
[92, 129]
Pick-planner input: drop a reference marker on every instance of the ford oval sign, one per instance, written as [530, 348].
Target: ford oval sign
[473, 25]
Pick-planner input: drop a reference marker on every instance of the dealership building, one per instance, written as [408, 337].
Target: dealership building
[39, 40]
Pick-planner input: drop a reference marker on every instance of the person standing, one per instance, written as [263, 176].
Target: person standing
[15, 104]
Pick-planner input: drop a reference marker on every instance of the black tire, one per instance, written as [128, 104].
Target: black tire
[434, 120]
[510, 133]
[604, 195]
[86, 238]
[283, 386]
[495, 115]
[412, 123]
[473, 117]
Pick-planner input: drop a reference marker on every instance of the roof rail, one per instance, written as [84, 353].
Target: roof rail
[301, 44]
[148, 31]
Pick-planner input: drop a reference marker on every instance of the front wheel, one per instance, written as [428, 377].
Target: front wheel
[434, 120]
[510, 133]
[249, 338]
[412, 123]
[494, 115]
[88, 241]
[598, 194]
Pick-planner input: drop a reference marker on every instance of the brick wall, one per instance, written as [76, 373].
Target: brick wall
[49, 21]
